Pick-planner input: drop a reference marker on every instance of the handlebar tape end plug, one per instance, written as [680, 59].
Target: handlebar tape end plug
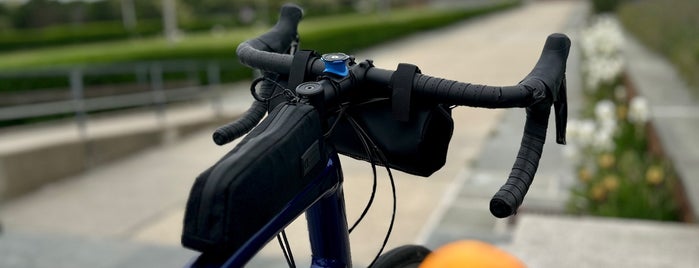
[500, 208]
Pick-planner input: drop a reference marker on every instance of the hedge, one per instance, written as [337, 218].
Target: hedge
[73, 34]
[92, 32]
[346, 33]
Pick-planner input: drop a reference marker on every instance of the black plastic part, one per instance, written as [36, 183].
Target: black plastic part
[560, 107]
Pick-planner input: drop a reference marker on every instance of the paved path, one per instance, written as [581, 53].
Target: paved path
[546, 241]
[674, 114]
[466, 214]
[129, 213]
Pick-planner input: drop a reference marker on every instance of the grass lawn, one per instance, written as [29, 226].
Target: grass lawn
[670, 27]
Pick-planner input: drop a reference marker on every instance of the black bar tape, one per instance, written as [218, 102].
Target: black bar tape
[250, 54]
[457, 93]
[510, 196]
[247, 121]
[266, 52]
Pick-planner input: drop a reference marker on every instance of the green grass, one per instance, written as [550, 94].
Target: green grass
[153, 48]
[670, 27]
[339, 33]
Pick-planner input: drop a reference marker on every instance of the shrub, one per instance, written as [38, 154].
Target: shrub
[339, 33]
[618, 176]
[73, 34]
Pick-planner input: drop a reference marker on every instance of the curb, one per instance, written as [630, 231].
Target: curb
[28, 168]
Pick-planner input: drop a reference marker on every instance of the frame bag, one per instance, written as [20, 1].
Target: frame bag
[235, 198]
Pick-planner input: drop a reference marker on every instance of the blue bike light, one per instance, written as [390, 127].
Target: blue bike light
[336, 63]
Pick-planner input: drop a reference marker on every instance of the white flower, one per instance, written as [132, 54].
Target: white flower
[604, 37]
[589, 134]
[601, 44]
[586, 132]
[576, 130]
[605, 111]
[638, 110]
[573, 129]
[603, 140]
[602, 69]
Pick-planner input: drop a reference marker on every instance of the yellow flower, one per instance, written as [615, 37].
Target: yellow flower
[655, 175]
[598, 193]
[606, 161]
[584, 175]
[610, 182]
[621, 112]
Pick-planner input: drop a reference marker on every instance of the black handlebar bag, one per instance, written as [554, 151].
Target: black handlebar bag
[417, 146]
[236, 197]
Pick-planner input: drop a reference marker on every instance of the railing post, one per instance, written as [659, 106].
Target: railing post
[156, 83]
[77, 92]
[213, 74]
[141, 73]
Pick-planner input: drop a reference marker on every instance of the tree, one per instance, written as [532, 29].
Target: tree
[38, 13]
[170, 20]
[128, 14]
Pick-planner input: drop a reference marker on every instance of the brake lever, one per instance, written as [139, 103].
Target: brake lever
[560, 108]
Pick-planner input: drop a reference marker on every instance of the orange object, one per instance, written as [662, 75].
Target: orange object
[470, 254]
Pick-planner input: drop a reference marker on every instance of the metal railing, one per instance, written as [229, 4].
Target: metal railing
[148, 74]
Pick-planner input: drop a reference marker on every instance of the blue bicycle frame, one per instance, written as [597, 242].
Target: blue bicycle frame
[326, 218]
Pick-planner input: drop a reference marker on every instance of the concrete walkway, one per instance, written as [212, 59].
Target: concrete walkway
[129, 214]
[541, 236]
[467, 215]
[674, 113]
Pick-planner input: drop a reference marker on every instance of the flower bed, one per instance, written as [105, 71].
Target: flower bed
[618, 175]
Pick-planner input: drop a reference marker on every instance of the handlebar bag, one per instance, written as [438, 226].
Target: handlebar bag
[417, 146]
[236, 197]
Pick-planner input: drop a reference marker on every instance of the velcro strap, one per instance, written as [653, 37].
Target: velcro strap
[402, 85]
[298, 68]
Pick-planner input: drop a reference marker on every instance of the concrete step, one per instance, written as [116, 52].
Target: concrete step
[566, 241]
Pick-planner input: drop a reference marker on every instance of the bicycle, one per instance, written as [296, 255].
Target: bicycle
[397, 119]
